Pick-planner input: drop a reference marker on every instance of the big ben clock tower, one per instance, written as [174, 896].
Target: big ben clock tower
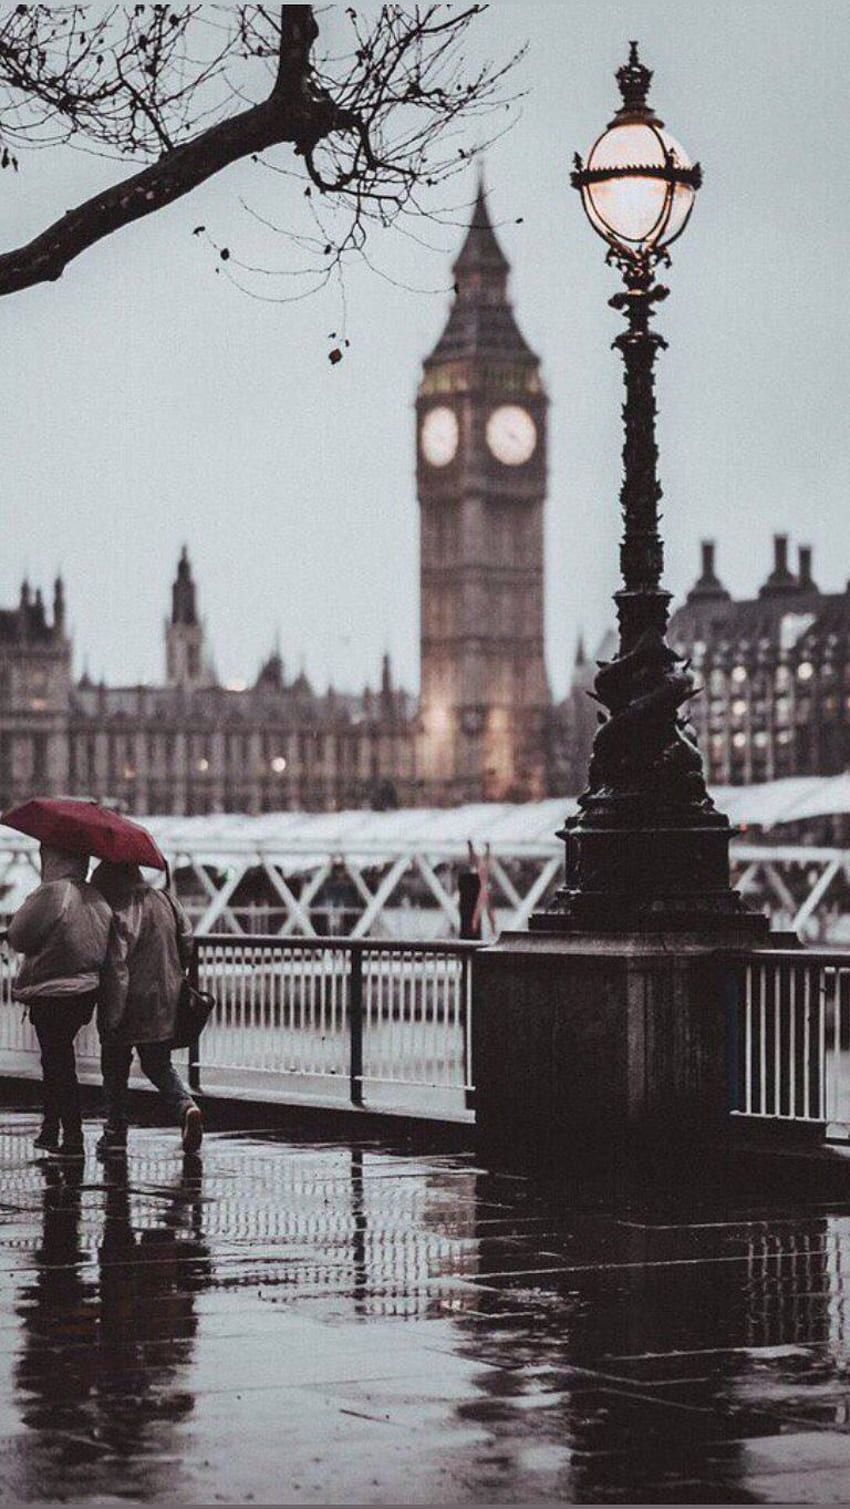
[481, 475]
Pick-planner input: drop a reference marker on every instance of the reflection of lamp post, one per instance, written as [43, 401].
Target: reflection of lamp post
[647, 843]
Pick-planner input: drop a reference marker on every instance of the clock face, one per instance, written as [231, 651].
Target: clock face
[511, 434]
[439, 435]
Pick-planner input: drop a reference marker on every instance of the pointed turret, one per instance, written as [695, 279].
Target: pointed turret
[271, 676]
[183, 595]
[38, 614]
[386, 677]
[59, 606]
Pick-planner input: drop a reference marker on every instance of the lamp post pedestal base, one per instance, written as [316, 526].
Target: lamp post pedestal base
[596, 1049]
[650, 878]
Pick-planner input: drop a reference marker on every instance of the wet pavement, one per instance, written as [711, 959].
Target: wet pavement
[347, 1322]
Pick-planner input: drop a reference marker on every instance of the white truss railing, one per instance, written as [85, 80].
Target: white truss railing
[411, 891]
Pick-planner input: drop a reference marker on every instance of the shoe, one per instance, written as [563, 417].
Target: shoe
[111, 1145]
[193, 1129]
[47, 1140]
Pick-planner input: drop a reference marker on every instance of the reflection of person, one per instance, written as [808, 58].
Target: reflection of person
[62, 930]
[105, 1350]
[56, 1302]
[150, 946]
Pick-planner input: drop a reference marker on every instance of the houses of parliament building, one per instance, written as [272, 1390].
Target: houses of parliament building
[776, 670]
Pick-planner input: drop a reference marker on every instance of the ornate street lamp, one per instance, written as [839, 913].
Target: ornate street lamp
[647, 848]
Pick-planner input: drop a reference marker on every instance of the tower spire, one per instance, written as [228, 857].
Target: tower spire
[183, 601]
[481, 321]
[481, 249]
[185, 650]
[59, 604]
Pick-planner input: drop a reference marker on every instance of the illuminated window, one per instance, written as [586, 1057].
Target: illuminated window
[739, 740]
[805, 671]
[739, 673]
[739, 707]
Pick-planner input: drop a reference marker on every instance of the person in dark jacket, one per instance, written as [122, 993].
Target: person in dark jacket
[150, 946]
[62, 930]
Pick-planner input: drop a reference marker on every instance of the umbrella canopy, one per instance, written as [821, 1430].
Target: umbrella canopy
[85, 828]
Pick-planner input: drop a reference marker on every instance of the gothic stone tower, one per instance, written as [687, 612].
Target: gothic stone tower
[481, 475]
[184, 633]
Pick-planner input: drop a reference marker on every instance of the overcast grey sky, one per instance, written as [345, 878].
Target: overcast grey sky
[148, 402]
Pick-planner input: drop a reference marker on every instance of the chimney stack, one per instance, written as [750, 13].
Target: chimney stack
[780, 554]
[781, 579]
[805, 569]
[707, 585]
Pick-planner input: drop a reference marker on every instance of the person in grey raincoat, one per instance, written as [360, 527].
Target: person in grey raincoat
[62, 930]
[150, 946]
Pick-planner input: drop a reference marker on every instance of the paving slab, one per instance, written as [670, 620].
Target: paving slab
[291, 1319]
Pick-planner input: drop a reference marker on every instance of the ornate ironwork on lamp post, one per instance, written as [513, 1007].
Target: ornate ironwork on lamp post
[647, 847]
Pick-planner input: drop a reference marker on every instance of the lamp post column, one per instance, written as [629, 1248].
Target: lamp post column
[648, 846]
[620, 1002]
[641, 603]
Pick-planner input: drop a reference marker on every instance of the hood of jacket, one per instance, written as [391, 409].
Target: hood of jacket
[62, 930]
[117, 883]
[57, 865]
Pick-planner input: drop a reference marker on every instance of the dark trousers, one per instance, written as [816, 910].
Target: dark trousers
[155, 1059]
[57, 1022]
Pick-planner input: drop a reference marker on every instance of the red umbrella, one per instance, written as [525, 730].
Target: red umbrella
[85, 828]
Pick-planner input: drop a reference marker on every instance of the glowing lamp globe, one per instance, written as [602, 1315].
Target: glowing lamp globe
[638, 184]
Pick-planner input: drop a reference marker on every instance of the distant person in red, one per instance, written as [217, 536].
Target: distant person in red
[150, 946]
[484, 905]
[62, 930]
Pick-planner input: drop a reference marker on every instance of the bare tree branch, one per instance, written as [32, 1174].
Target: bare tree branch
[369, 126]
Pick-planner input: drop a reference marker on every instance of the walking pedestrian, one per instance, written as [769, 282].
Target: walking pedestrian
[150, 946]
[62, 930]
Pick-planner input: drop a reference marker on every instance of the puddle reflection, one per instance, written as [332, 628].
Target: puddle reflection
[108, 1329]
[556, 1347]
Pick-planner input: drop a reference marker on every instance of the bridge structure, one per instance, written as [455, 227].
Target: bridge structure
[364, 874]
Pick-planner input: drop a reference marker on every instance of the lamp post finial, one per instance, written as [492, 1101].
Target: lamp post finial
[633, 80]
